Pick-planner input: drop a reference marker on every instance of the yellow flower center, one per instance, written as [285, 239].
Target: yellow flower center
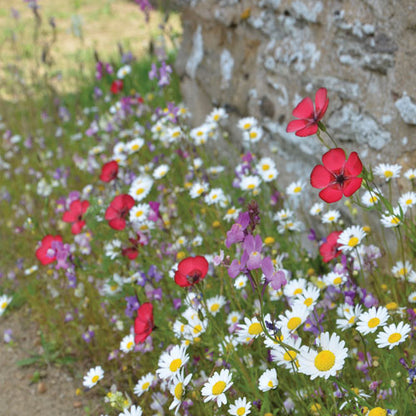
[325, 360]
[395, 220]
[337, 281]
[139, 213]
[197, 329]
[176, 134]
[95, 379]
[215, 196]
[290, 355]
[218, 387]
[145, 386]
[269, 240]
[175, 364]
[231, 211]
[113, 288]
[255, 329]
[293, 323]
[353, 241]
[403, 271]
[178, 391]
[215, 307]
[139, 191]
[297, 189]
[135, 147]
[234, 319]
[331, 218]
[4, 305]
[247, 126]
[377, 411]
[265, 166]
[199, 191]
[251, 186]
[394, 337]
[200, 133]
[270, 383]
[388, 173]
[409, 202]
[373, 199]
[351, 320]
[241, 411]
[129, 345]
[373, 322]
[392, 306]
[297, 291]
[216, 117]
[308, 301]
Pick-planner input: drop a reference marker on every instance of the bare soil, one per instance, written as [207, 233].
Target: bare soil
[53, 394]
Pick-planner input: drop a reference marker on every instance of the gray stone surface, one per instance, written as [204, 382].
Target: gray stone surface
[260, 57]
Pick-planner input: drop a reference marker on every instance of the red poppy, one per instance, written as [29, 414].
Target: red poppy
[143, 324]
[46, 245]
[329, 249]
[118, 210]
[308, 115]
[109, 171]
[116, 86]
[76, 210]
[133, 251]
[191, 271]
[337, 176]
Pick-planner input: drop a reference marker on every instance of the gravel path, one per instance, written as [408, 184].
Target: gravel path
[53, 395]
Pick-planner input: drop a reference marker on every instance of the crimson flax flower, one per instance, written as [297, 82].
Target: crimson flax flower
[191, 271]
[337, 176]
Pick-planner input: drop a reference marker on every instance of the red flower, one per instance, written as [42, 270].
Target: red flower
[116, 86]
[329, 249]
[133, 251]
[191, 270]
[46, 245]
[143, 324]
[76, 210]
[118, 210]
[337, 176]
[109, 171]
[308, 115]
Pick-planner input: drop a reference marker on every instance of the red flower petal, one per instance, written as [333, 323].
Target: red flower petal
[84, 207]
[143, 324]
[77, 227]
[354, 166]
[321, 102]
[352, 185]
[296, 125]
[304, 109]
[334, 160]
[41, 252]
[308, 130]
[321, 177]
[191, 270]
[181, 280]
[69, 216]
[331, 194]
[109, 171]
[117, 224]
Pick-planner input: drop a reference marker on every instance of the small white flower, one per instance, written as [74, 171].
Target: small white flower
[393, 335]
[4, 303]
[268, 380]
[144, 384]
[127, 343]
[387, 171]
[350, 238]
[93, 376]
[216, 386]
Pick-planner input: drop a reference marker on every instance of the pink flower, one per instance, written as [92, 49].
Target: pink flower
[337, 176]
[308, 115]
[74, 215]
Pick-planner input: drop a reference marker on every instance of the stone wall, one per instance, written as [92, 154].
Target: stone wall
[260, 57]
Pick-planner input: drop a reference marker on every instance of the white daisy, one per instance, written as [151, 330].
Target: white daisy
[309, 296]
[292, 319]
[134, 145]
[250, 330]
[177, 389]
[295, 188]
[4, 303]
[233, 317]
[350, 238]
[140, 187]
[370, 199]
[247, 123]
[174, 134]
[215, 196]
[327, 361]
[170, 362]
[144, 384]
[160, 171]
[200, 134]
[265, 164]
[241, 407]
[286, 356]
[393, 335]
[216, 386]
[134, 411]
[331, 217]
[214, 304]
[371, 320]
[127, 343]
[283, 215]
[412, 297]
[410, 174]
[391, 220]
[217, 115]
[350, 317]
[316, 208]
[198, 189]
[123, 71]
[270, 175]
[295, 287]
[215, 170]
[335, 279]
[139, 213]
[240, 282]
[250, 183]
[401, 270]
[387, 171]
[232, 214]
[253, 135]
[268, 380]
[93, 376]
[407, 200]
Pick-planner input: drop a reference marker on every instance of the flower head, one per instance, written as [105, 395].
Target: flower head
[118, 210]
[308, 115]
[191, 271]
[109, 171]
[143, 324]
[93, 376]
[216, 386]
[74, 215]
[337, 176]
[330, 249]
[46, 248]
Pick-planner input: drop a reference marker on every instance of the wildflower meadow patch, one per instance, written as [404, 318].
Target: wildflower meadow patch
[184, 283]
